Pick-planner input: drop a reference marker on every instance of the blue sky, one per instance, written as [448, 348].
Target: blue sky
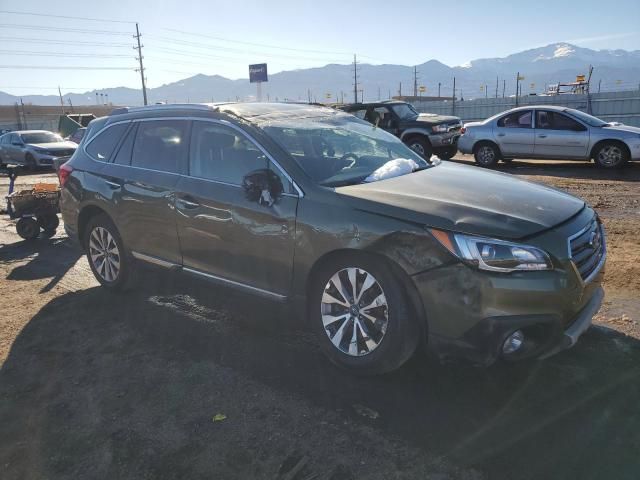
[182, 38]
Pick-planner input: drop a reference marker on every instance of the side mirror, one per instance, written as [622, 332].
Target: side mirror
[17, 143]
[262, 186]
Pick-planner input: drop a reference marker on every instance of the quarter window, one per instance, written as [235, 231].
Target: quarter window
[103, 145]
[223, 154]
[160, 145]
[516, 120]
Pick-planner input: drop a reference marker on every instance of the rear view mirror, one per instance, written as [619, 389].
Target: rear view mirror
[262, 186]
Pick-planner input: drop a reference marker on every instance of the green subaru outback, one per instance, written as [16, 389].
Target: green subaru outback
[376, 248]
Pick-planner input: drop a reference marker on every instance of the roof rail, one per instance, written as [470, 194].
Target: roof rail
[164, 107]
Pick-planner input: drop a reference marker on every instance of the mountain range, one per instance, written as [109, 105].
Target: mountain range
[558, 62]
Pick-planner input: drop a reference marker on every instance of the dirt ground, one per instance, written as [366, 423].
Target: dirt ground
[173, 381]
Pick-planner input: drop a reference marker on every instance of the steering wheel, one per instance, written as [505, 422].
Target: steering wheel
[354, 158]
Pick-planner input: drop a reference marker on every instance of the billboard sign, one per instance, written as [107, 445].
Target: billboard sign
[258, 73]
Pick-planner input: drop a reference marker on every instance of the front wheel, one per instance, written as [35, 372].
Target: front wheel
[362, 317]
[611, 155]
[106, 253]
[27, 228]
[447, 154]
[486, 155]
[31, 162]
[421, 146]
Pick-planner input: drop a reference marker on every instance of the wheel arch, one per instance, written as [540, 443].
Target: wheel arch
[600, 143]
[405, 279]
[485, 141]
[415, 132]
[86, 214]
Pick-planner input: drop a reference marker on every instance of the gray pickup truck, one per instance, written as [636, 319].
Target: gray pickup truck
[425, 133]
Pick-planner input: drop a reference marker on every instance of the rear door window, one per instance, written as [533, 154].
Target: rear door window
[102, 146]
[161, 145]
[123, 156]
[520, 119]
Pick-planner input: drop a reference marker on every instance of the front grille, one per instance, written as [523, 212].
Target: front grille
[587, 248]
[61, 153]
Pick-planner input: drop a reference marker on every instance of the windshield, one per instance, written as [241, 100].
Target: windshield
[41, 137]
[404, 111]
[341, 151]
[586, 118]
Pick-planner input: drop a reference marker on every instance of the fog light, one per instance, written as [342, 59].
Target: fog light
[513, 342]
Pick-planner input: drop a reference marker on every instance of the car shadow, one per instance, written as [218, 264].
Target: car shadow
[567, 169]
[40, 264]
[575, 415]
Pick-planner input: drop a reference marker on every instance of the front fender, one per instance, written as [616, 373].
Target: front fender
[414, 131]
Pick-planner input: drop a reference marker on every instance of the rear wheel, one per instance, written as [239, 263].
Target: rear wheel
[421, 146]
[28, 228]
[611, 155]
[361, 316]
[106, 253]
[486, 155]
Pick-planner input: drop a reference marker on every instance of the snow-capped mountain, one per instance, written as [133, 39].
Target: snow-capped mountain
[558, 62]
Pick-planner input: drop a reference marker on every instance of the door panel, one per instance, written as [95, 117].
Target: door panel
[221, 231]
[558, 136]
[514, 134]
[145, 195]
[224, 234]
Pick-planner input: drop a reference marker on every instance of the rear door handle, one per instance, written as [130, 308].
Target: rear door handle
[187, 203]
[542, 136]
[113, 185]
[501, 134]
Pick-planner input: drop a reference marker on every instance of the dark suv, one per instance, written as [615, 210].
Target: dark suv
[376, 247]
[426, 133]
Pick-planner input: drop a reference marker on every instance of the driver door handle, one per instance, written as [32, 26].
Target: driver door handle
[187, 203]
[542, 136]
[501, 134]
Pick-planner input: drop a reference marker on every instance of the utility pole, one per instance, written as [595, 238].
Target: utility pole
[496, 87]
[438, 89]
[400, 90]
[70, 104]
[415, 81]
[139, 48]
[24, 115]
[504, 87]
[309, 96]
[453, 106]
[378, 93]
[355, 78]
[599, 83]
[61, 100]
[486, 91]
[517, 86]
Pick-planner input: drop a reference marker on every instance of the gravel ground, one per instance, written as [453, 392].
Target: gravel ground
[172, 381]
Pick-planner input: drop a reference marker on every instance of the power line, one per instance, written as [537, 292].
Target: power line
[65, 16]
[77, 67]
[252, 53]
[62, 42]
[252, 43]
[62, 54]
[58, 29]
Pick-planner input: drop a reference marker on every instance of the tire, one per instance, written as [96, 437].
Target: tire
[100, 237]
[381, 346]
[28, 228]
[447, 154]
[31, 162]
[611, 155]
[49, 223]
[421, 146]
[486, 155]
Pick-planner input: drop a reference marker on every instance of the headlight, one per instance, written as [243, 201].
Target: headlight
[493, 255]
[440, 128]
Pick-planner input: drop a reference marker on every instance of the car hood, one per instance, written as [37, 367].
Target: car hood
[467, 199]
[433, 119]
[623, 128]
[66, 145]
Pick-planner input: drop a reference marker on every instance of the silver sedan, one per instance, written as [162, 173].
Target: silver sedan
[549, 132]
[34, 148]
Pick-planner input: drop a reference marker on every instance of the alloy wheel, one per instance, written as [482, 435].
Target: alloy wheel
[610, 155]
[419, 149]
[486, 155]
[354, 310]
[104, 254]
